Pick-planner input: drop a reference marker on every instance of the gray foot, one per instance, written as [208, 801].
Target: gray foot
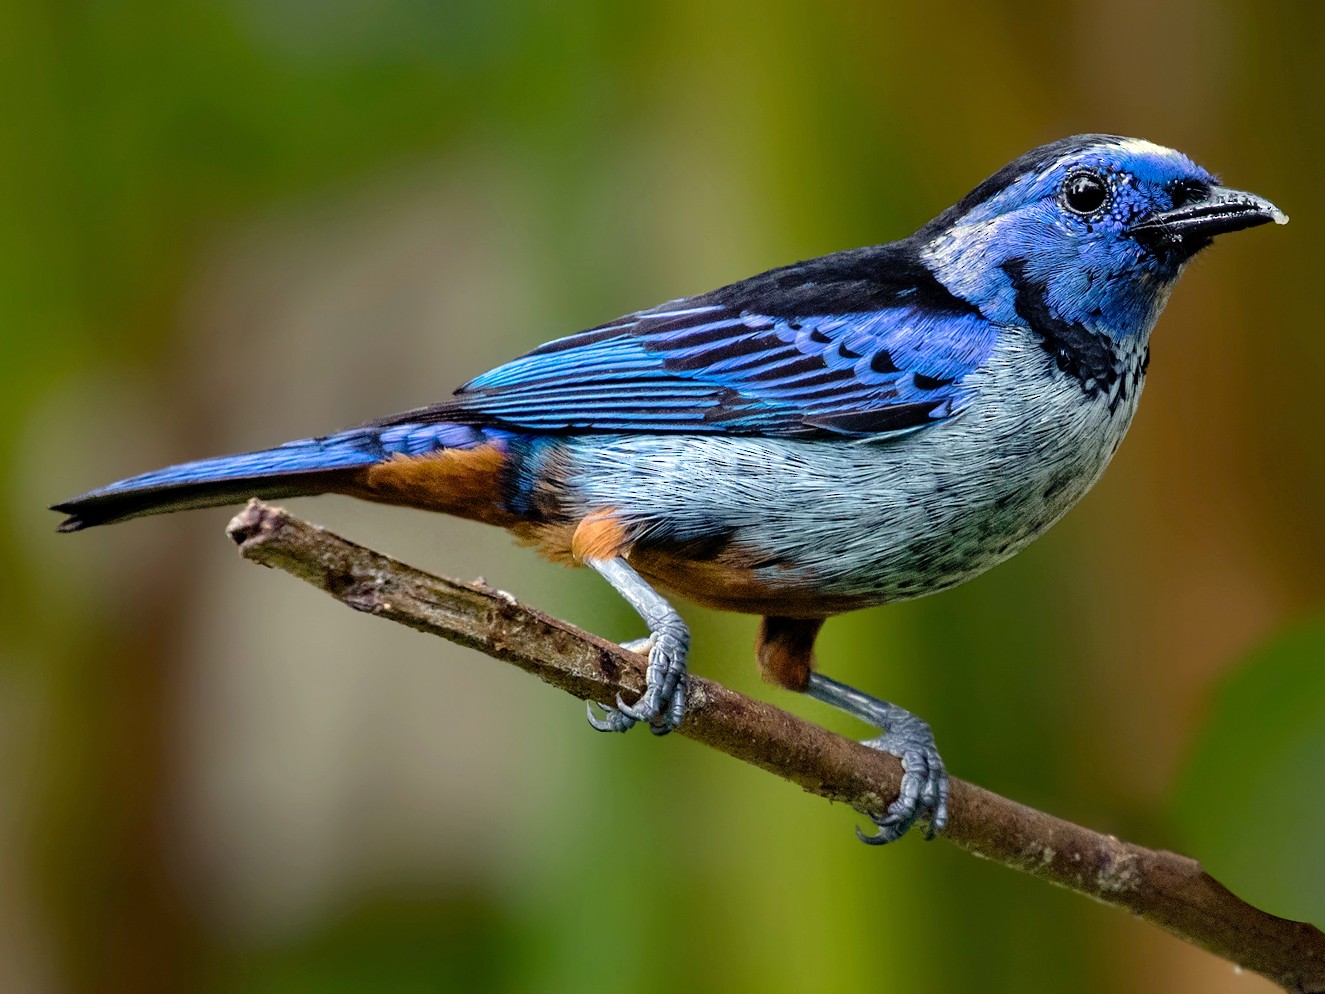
[924, 793]
[662, 705]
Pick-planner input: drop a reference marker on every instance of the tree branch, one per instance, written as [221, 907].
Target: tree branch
[1163, 888]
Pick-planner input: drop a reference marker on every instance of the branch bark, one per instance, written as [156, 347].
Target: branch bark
[1163, 888]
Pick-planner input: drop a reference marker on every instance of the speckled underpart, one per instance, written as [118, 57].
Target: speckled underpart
[869, 522]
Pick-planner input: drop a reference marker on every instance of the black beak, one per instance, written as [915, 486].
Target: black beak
[1221, 210]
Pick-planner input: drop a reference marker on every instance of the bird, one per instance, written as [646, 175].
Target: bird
[849, 431]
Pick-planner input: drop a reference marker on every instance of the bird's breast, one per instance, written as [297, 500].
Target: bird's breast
[810, 528]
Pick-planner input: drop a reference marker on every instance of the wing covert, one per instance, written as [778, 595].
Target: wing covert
[860, 344]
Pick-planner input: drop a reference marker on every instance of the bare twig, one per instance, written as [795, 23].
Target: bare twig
[1163, 888]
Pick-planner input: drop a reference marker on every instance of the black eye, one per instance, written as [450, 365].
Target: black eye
[1085, 193]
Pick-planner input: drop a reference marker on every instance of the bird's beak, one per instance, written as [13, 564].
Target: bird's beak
[1223, 210]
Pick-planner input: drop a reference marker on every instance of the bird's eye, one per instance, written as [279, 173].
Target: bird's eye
[1085, 193]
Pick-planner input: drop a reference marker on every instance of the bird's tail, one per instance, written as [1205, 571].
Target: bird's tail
[331, 464]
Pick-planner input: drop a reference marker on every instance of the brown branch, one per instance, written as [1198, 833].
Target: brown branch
[1163, 888]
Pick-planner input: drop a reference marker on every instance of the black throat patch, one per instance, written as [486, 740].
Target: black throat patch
[1089, 357]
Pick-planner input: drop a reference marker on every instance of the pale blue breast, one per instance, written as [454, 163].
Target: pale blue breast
[878, 521]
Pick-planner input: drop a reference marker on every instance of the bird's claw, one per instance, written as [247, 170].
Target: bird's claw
[662, 705]
[611, 721]
[924, 792]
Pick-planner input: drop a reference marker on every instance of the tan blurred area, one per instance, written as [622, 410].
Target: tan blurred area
[230, 223]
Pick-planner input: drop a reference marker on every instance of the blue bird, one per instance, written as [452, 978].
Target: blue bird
[857, 429]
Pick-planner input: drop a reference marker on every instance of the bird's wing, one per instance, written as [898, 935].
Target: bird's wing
[721, 364]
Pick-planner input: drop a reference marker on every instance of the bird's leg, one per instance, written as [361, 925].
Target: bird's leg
[662, 704]
[924, 792]
[785, 650]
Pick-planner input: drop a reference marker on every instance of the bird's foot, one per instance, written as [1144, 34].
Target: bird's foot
[662, 705]
[924, 792]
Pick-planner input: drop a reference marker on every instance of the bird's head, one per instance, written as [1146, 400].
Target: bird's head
[1095, 228]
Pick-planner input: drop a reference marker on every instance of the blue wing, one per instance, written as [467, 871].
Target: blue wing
[800, 352]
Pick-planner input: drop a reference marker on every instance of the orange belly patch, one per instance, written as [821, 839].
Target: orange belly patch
[727, 577]
[463, 482]
[600, 535]
[729, 581]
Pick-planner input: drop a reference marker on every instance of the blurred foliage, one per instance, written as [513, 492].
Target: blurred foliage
[1250, 802]
[397, 948]
[218, 783]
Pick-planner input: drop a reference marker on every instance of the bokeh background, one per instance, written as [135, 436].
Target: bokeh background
[226, 223]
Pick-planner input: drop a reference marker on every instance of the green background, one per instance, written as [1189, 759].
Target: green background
[224, 224]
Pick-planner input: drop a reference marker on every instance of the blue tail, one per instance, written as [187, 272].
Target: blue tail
[296, 469]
